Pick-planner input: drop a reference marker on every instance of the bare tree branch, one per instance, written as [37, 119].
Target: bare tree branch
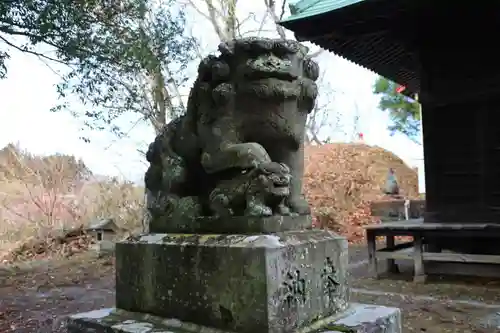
[320, 117]
[176, 90]
[283, 6]
[198, 10]
[221, 32]
[262, 22]
[271, 8]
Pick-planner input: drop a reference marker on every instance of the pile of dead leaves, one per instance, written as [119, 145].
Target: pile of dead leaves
[341, 180]
[66, 244]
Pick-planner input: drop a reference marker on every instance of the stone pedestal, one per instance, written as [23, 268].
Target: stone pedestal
[280, 282]
[241, 283]
[234, 225]
[359, 318]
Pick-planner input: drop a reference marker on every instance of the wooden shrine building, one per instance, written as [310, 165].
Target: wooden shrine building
[442, 50]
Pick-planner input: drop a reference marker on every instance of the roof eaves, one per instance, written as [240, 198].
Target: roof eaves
[308, 8]
[302, 5]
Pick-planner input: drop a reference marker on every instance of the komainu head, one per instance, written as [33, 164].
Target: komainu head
[266, 68]
[267, 84]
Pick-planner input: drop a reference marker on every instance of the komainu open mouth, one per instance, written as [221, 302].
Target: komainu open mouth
[264, 75]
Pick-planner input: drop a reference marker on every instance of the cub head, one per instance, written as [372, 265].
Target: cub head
[275, 178]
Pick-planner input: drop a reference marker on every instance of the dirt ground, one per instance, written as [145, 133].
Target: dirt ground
[33, 297]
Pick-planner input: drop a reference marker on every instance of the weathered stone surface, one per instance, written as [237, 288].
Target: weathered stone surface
[360, 318]
[232, 224]
[243, 283]
[238, 149]
[365, 318]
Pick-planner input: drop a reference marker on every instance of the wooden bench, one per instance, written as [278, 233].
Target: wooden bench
[419, 250]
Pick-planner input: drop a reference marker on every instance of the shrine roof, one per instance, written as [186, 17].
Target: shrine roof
[407, 41]
[374, 34]
[308, 8]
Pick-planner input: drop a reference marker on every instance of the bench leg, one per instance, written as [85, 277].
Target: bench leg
[418, 260]
[372, 253]
[392, 267]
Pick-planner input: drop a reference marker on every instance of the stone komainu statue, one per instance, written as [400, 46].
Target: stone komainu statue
[248, 107]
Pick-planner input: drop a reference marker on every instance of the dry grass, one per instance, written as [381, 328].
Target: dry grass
[44, 197]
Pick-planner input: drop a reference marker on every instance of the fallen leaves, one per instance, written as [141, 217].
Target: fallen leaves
[67, 244]
[340, 181]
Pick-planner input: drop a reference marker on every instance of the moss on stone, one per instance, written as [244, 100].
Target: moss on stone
[338, 328]
[233, 282]
[238, 297]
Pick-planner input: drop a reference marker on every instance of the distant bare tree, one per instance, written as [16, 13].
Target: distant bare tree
[315, 122]
[323, 121]
[222, 16]
[355, 126]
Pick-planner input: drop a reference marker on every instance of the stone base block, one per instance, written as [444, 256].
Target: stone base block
[365, 318]
[262, 283]
[359, 318]
[232, 225]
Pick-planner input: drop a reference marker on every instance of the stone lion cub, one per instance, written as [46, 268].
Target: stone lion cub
[259, 192]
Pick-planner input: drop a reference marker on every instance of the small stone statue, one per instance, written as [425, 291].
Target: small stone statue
[260, 191]
[391, 183]
[247, 108]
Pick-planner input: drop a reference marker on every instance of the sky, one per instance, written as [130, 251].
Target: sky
[28, 93]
